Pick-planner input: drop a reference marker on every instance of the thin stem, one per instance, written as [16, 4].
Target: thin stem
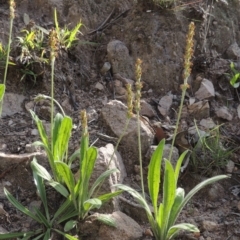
[177, 123]
[7, 60]
[140, 153]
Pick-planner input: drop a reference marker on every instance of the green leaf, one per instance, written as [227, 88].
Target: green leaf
[197, 189]
[169, 189]
[27, 235]
[106, 219]
[40, 170]
[234, 80]
[41, 129]
[137, 196]
[179, 197]
[44, 220]
[154, 174]
[73, 156]
[92, 204]
[178, 165]
[67, 236]
[182, 226]
[63, 136]
[70, 225]
[41, 191]
[106, 197]
[100, 179]
[59, 188]
[65, 172]
[56, 126]
[2, 91]
[19, 206]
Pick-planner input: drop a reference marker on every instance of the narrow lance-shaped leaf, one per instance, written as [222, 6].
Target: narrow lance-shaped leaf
[2, 91]
[154, 174]
[64, 133]
[169, 190]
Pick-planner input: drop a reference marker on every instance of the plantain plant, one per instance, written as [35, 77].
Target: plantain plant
[164, 216]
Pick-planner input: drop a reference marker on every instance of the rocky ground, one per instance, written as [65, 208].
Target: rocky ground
[93, 75]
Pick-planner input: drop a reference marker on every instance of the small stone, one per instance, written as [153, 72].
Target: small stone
[34, 205]
[215, 191]
[146, 109]
[34, 132]
[233, 52]
[230, 166]
[207, 123]
[105, 68]
[224, 113]
[3, 230]
[126, 228]
[164, 104]
[209, 225]
[30, 148]
[29, 105]
[200, 109]
[206, 90]
[99, 86]
[238, 111]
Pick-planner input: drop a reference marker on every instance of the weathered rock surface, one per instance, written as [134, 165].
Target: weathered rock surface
[206, 90]
[224, 113]
[118, 56]
[126, 228]
[233, 52]
[199, 109]
[12, 104]
[147, 110]
[114, 115]
[164, 104]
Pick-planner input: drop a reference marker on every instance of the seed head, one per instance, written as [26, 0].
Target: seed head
[189, 52]
[53, 43]
[12, 9]
[138, 83]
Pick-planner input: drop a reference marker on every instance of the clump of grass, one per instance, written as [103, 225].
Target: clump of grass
[211, 152]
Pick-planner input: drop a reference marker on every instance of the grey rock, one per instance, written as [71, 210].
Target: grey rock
[209, 225]
[126, 228]
[114, 115]
[230, 166]
[215, 191]
[199, 109]
[12, 104]
[118, 56]
[233, 52]
[224, 113]
[164, 104]
[206, 90]
[147, 110]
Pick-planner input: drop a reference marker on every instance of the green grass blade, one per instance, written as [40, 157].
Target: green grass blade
[154, 174]
[100, 179]
[59, 188]
[69, 225]
[75, 155]
[19, 206]
[106, 219]
[44, 220]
